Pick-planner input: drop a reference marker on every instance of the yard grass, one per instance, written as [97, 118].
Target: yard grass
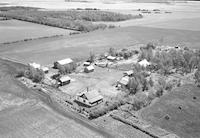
[177, 112]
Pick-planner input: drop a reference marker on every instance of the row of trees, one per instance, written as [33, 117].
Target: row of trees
[184, 60]
[125, 53]
[70, 19]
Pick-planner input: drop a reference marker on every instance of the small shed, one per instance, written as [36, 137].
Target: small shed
[35, 65]
[63, 62]
[64, 80]
[111, 58]
[89, 69]
[128, 73]
[123, 82]
[86, 63]
[89, 98]
[144, 63]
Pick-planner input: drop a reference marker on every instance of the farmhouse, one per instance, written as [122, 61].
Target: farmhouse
[63, 62]
[128, 73]
[144, 63]
[64, 80]
[89, 69]
[123, 82]
[111, 58]
[89, 98]
[35, 65]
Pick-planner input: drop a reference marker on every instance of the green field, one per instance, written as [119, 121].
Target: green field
[14, 30]
[79, 46]
[177, 112]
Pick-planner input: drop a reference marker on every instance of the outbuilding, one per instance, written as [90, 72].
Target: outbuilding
[86, 63]
[144, 63]
[64, 80]
[89, 98]
[35, 65]
[63, 62]
[123, 82]
[89, 69]
[111, 58]
[128, 73]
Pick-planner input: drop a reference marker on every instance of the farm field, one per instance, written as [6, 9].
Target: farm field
[177, 112]
[15, 30]
[79, 46]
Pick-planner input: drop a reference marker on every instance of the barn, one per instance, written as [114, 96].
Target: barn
[63, 62]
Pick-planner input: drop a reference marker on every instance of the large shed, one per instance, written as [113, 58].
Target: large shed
[63, 62]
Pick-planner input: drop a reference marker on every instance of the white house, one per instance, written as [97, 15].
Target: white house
[89, 98]
[144, 63]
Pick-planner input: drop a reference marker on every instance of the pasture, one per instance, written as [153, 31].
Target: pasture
[47, 51]
[177, 112]
[14, 30]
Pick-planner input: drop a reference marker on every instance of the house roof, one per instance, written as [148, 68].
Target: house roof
[35, 65]
[90, 67]
[93, 96]
[65, 78]
[65, 61]
[124, 80]
[144, 63]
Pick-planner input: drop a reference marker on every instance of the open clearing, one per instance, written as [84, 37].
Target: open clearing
[14, 30]
[177, 112]
[47, 51]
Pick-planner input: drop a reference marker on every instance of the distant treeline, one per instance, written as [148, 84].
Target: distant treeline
[70, 19]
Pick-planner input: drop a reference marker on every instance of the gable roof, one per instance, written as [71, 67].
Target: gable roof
[65, 61]
[90, 67]
[65, 78]
[93, 96]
